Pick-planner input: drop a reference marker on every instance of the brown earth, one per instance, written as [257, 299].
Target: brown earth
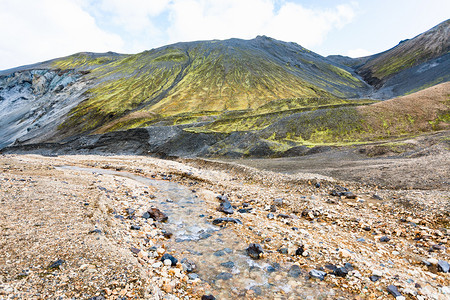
[411, 114]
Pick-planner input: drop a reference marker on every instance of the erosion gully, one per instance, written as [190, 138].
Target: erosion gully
[219, 254]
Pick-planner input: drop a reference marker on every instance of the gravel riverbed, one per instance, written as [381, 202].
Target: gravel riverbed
[72, 231]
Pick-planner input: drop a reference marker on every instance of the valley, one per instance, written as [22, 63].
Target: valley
[228, 169]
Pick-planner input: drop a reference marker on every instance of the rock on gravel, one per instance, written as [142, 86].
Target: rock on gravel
[255, 251]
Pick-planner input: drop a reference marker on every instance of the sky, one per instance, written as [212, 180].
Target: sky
[38, 30]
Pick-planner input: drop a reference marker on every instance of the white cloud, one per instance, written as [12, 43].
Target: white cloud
[37, 30]
[203, 19]
[358, 53]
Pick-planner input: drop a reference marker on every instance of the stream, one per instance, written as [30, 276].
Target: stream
[219, 254]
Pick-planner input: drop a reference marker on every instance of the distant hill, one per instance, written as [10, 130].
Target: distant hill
[412, 65]
[243, 92]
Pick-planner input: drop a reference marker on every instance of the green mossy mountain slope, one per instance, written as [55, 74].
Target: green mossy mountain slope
[191, 78]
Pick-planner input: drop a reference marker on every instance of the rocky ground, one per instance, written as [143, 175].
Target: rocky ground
[68, 233]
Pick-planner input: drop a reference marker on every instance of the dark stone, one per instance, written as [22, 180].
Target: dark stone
[208, 297]
[385, 239]
[56, 264]
[95, 231]
[244, 210]
[146, 215]
[317, 185]
[284, 216]
[294, 271]
[97, 298]
[219, 253]
[226, 208]
[167, 234]
[367, 228]
[270, 216]
[392, 289]
[228, 264]
[135, 227]
[341, 272]
[318, 274]
[224, 276]
[270, 269]
[331, 267]
[443, 266]
[135, 250]
[254, 251]
[188, 265]
[226, 220]
[172, 259]
[273, 208]
[300, 250]
[157, 215]
[374, 278]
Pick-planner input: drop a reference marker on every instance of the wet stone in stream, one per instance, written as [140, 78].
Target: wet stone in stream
[228, 264]
[224, 276]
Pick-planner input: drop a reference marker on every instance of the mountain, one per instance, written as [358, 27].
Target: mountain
[410, 66]
[231, 94]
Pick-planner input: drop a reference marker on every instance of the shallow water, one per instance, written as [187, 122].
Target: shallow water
[218, 253]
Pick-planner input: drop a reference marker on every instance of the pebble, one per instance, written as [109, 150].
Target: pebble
[228, 264]
[278, 202]
[56, 264]
[172, 259]
[385, 239]
[226, 208]
[224, 276]
[208, 297]
[317, 274]
[254, 251]
[270, 216]
[135, 227]
[156, 215]
[294, 271]
[226, 220]
[443, 266]
[219, 253]
[392, 289]
[341, 272]
[188, 265]
[167, 262]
